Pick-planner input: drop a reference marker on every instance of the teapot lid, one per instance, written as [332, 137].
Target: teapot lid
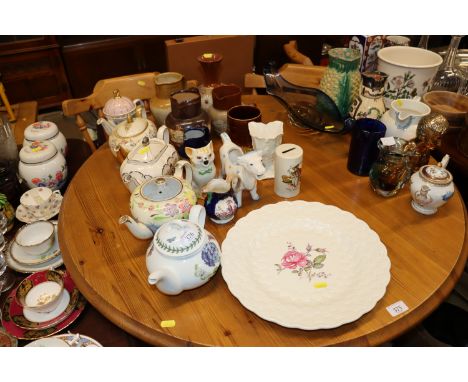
[132, 127]
[37, 152]
[161, 188]
[435, 174]
[40, 131]
[118, 105]
[149, 150]
[179, 238]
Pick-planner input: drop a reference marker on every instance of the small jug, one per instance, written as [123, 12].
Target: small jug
[403, 117]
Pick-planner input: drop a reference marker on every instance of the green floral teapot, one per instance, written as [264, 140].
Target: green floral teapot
[160, 200]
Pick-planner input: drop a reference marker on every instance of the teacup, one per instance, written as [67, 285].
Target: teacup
[238, 118]
[40, 201]
[36, 238]
[41, 295]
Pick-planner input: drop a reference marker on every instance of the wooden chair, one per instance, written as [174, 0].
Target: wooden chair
[133, 86]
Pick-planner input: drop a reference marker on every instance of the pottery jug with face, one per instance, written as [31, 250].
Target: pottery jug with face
[431, 187]
[151, 158]
[160, 200]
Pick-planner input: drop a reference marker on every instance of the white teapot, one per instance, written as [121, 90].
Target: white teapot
[151, 158]
[402, 119]
[431, 187]
[128, 134]
[182, 255]
[117, 109]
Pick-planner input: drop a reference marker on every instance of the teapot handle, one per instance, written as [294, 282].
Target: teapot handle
[179, 167]
[197, 215]
[139, 102]
[163, 134]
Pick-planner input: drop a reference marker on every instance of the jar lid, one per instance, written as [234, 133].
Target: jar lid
[185, 103]
[435, 174]
[118, 105]
[161, 188]
[179, 238]
[149, 150]
[132, 127]
[37, 152]
[41, 131]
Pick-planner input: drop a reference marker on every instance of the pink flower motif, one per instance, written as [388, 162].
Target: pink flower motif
[184, 206]
[59, 175]
[293, 259]
[397, 81]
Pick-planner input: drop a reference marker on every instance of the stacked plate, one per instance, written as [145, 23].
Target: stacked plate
[24, 323]
[23, 262]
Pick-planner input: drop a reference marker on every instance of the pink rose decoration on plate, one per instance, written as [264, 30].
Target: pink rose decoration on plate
[293, 259]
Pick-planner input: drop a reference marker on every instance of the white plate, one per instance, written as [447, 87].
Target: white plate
[31, 268]
[66, 340]
[24, 216]
[305, 265]
[24, 258]
[34, 316]
[50, 342]
[79, 340]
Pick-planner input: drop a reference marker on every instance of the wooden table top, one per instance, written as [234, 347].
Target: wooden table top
[427, 253]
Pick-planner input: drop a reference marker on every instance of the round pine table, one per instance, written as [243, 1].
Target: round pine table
[427, 253]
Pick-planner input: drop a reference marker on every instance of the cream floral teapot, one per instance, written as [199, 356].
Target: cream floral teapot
[160, 200]
[151, 158]
[128, 134]
[182, 255]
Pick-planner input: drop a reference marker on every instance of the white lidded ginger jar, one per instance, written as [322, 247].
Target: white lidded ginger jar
[42, 165]
[45, 131]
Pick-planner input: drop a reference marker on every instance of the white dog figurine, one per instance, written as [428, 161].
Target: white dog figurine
[243, 174]
[202, 160]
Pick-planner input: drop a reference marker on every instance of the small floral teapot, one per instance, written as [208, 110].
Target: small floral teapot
[151, 158]
[160, 200]
[182, 255]
[431, 187]
[128, 134]
[118, 108]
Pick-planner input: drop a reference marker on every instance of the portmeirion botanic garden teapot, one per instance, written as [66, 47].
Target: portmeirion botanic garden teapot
[160, 200]
[118, 108]
[402, 119]
[151, 158]
[182, 255]
[128, 134]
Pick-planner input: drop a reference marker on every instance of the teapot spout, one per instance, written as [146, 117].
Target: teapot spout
[139, 230]
[108, 126]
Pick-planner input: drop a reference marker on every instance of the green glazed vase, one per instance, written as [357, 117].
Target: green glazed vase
[342, 80]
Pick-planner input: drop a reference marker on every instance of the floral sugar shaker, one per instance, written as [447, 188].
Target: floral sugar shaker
[431, 187]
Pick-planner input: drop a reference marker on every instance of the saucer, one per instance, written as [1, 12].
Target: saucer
[78, 340]
[11, 309]
[27, 321]
[18, 254]
[52, 263]
[25, 216]
[39, 318]
[6, 340]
